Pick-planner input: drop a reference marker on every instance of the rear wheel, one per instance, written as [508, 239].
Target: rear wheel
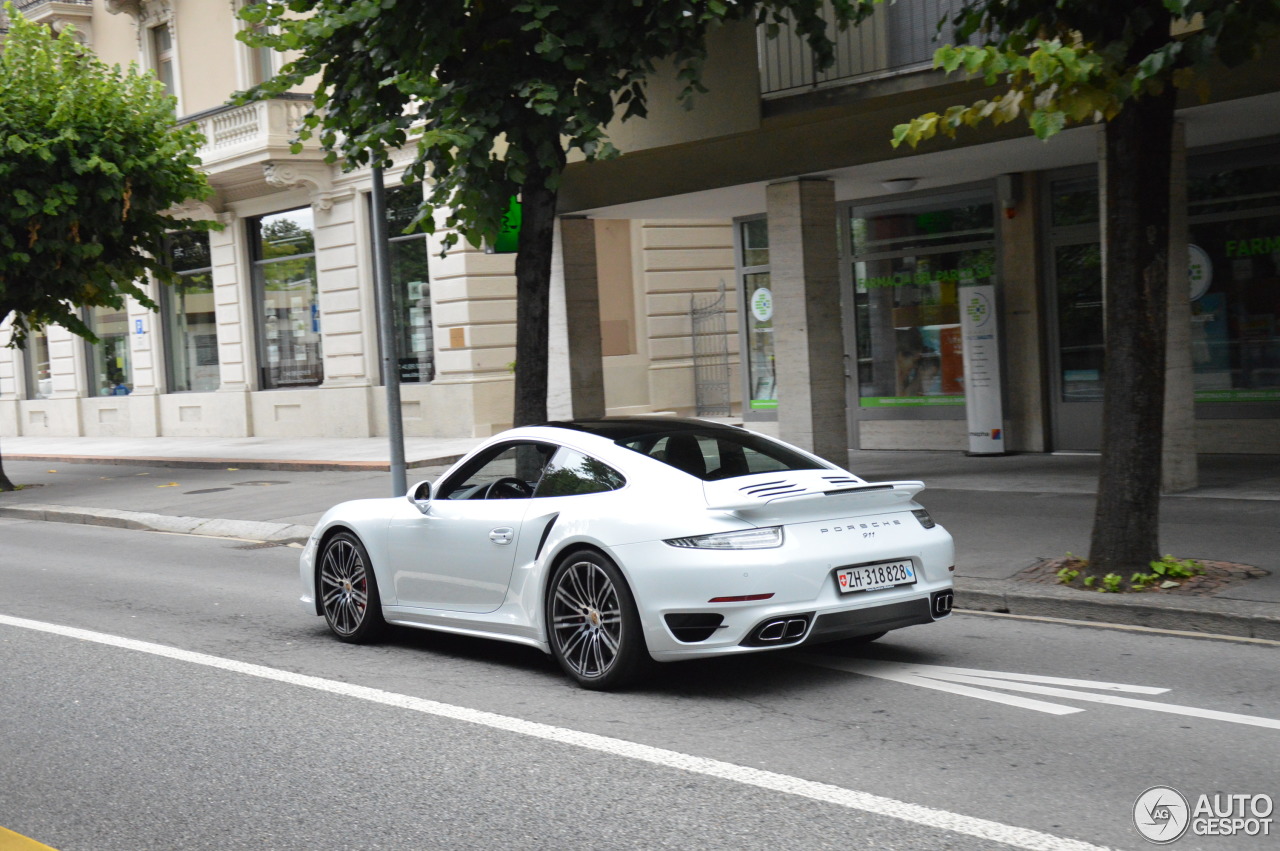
[349, 591]
[594, 628]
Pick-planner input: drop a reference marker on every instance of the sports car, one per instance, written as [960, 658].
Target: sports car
[614, 543]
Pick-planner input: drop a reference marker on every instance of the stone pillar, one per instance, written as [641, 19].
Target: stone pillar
[1178, 468]
[233, 311]
[575, 377]
[1022, 316]
[808, 342]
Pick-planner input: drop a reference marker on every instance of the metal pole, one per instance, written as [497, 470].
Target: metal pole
[386, 333]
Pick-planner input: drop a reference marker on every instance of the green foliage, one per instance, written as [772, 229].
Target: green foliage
[90, 161]
[1169, 567]
[1111, 583]
[1073, 61]
[493, 94]
[1066, 576]
[1089, 581]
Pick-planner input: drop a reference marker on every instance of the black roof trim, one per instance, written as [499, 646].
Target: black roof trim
[627, 428]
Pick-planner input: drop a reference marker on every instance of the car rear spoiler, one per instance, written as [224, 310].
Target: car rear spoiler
[792, 489]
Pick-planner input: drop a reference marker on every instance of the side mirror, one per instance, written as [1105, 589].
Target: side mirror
[420, 496]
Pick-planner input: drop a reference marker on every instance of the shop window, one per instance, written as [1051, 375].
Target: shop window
[288, 299]
[38, 366]
[910, 266]
[1235, 281]
[757, 295]
[410, 288]
[187, 314]
[1234, 229]
[110, 360]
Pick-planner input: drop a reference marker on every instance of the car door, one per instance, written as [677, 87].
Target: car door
[458, 555]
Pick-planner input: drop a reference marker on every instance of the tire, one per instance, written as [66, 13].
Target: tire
[348, 590]
[592, 623]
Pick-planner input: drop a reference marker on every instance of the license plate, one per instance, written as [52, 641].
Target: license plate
[874, 577]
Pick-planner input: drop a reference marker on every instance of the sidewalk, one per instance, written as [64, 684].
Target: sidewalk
[1005, 513]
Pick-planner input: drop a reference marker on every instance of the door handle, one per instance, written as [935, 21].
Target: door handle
[502, 535]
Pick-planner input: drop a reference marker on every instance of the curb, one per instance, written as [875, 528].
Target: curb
[1216, 615]
[292, 465]
[251, 530]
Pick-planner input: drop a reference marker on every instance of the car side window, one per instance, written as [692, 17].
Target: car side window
[571, 473]
[508, 471]
[712, 455]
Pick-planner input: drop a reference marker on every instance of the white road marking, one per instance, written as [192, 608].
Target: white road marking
[984, 829]
[972, 682]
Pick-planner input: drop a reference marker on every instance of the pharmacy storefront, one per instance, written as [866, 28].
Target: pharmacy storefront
[1234, 278]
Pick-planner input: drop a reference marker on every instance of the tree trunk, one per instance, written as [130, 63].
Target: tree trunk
[1127, 518]
[533, 297]
[5, 484]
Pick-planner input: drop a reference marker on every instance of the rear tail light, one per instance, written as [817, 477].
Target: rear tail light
[923, 516]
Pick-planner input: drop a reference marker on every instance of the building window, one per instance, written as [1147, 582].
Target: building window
[910, 263]
[187, 313]
[160, 41]
[110, 360]
[1234, 210]
[38, 366]
[753, 259]
[287, 295]
[410, 288]
[260, 61]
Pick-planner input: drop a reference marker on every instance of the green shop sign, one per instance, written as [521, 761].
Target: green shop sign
[1258, 246]
[910, 401]
[1270, 395]
[508, 241]
[928, 277]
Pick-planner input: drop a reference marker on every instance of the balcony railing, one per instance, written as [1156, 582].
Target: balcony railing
[897, 38]
[231, 132]
[25, 6]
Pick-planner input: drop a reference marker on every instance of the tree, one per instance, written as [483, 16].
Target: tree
[90, 161]
[1072, 61]
[496, 94]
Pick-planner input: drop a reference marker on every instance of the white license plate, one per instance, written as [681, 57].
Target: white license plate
[874, 577]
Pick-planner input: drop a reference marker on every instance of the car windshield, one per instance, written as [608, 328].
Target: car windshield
[720, 453]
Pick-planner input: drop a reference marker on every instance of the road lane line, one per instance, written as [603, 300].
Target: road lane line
[10, 841]
[1116, 700]
[974, 682]
[1017, 837]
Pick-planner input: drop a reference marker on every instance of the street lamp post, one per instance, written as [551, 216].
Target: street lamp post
[386, 332]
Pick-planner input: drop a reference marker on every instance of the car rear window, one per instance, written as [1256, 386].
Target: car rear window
[720, 454]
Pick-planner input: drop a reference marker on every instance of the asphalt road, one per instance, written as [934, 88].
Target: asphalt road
[325, 745]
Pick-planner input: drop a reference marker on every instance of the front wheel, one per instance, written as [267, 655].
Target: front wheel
[349, 591]
[594, 628]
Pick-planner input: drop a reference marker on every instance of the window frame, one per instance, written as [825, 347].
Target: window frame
[257, 293]
[167, 318]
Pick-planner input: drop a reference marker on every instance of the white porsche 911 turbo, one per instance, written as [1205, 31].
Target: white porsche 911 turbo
[610, 543]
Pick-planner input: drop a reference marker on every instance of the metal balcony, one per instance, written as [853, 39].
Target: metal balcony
[898, 38]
